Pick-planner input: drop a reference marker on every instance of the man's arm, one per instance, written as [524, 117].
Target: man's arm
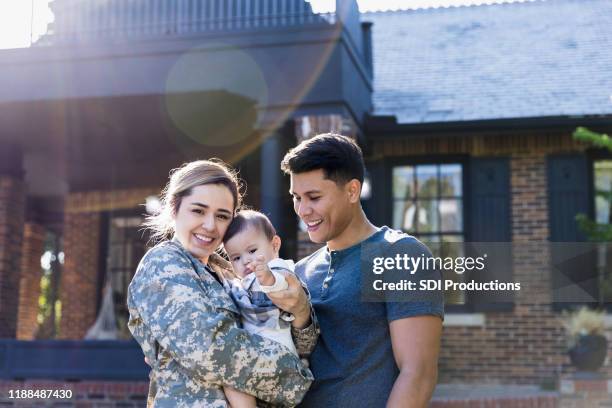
[416, 345]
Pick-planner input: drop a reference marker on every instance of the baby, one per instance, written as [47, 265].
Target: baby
[252, 246]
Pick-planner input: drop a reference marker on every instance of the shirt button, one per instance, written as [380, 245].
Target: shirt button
[331, 270]
[325, 285]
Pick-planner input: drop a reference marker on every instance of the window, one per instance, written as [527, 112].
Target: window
[428, 202]
[602, 172]
[126, 246]
[602, 197]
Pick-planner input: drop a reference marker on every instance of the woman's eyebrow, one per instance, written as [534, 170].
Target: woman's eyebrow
[199, 204]
[223, 210]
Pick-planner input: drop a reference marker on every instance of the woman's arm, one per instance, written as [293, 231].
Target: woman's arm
[202, 335]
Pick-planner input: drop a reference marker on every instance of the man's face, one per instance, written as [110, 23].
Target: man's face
[322, 204]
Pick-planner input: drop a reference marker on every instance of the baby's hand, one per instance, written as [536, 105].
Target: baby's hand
[262, 272]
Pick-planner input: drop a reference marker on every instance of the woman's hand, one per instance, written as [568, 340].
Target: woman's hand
[293, 300]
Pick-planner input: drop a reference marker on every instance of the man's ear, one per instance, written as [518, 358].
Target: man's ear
[353, 188]
[276, 243]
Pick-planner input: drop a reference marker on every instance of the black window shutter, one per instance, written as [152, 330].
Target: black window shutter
[490, 221]
[568, 190]
[574, 271]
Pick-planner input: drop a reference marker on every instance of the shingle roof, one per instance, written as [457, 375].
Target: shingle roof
[532, 59]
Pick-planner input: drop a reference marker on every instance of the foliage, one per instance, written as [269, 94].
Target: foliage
[596, 139]
[583, 322]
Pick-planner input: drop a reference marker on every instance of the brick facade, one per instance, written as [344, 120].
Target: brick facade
[29, 286]
[585, 393]
[79, 278]
[12, 213]
[83, 233]
[526, 345]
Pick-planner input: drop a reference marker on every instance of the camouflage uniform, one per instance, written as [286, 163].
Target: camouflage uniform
[187, 326]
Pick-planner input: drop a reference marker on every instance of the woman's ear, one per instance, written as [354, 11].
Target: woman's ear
[276, 243]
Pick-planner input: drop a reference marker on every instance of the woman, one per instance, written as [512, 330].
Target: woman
[187, 324]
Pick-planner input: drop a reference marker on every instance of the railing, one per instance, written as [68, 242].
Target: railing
[87, 20]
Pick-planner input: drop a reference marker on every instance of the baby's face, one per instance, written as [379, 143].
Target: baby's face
[246, 246]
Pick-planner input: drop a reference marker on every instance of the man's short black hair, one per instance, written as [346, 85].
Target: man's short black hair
[338, 156]
[245, 219]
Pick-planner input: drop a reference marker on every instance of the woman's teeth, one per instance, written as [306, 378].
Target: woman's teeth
[203, 238]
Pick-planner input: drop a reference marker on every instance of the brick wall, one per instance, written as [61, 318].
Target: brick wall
[527, 345]
[29, 286]
[583, 393]
[81, 241]
[79, 278]
[12, 210]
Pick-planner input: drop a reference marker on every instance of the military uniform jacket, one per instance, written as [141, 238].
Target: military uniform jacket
[187, 326]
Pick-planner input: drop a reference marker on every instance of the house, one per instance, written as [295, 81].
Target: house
[482, 100]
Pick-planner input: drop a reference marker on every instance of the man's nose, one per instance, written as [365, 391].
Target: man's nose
[303, 209]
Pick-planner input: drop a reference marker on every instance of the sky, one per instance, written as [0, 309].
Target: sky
[23, 21]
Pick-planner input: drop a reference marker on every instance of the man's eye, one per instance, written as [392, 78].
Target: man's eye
[314, 198]
[296, 198]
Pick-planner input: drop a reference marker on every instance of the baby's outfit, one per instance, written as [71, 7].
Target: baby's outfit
[258, 314]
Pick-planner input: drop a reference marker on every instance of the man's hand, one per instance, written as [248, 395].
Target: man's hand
[262, 272]
[293, 300]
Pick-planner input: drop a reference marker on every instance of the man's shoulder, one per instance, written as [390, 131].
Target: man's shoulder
[394, 237]
[310, 260]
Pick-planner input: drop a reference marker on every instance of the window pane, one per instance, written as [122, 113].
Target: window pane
[603, 175]
[451, 215]
[450, 180]
[451, 247]
[404, 213]
[603, 190]
[403, 182]
[427, 181]
[427, 217]
[602, 210]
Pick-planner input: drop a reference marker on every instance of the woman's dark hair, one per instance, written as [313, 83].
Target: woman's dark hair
[338, 156]
[250, 218]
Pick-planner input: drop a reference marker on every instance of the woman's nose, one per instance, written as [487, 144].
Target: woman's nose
[208, 223]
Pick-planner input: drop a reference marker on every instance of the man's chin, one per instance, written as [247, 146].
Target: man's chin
[316, 238]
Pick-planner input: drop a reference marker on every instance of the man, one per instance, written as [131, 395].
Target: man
[369, 354]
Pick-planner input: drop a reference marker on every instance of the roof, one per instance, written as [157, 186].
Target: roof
[513, 60]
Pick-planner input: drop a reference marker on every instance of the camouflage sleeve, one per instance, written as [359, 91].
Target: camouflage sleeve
[305, 339]
[202, 335]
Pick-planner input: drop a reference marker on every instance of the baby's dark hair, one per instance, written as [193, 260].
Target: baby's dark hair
[250, 218]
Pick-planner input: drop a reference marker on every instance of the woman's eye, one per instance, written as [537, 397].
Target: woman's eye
[223, 217]
[196, 211]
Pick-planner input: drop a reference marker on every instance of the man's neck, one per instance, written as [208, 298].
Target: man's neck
[359, 229]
